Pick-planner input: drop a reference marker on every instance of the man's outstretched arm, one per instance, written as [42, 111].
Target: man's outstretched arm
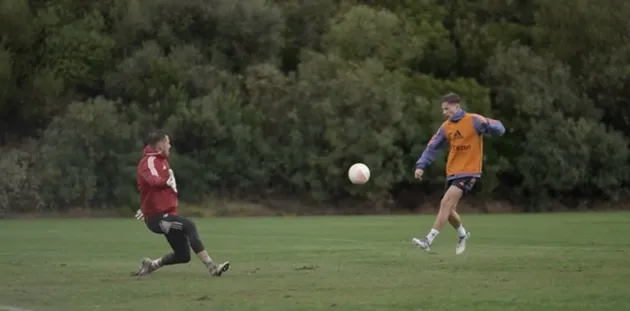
[435, 144]
[488, 126]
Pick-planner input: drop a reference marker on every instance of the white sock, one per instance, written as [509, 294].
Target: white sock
[432, 235]
[205, 258]
[461, 231]
[156, 263]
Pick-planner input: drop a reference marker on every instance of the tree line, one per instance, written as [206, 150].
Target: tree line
[276, 99]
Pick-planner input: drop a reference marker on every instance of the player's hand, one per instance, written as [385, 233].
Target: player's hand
[418, 173]
[139, 215]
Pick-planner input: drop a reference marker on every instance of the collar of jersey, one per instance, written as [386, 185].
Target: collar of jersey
[458, 115]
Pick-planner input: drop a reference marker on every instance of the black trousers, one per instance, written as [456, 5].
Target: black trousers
[181, 234]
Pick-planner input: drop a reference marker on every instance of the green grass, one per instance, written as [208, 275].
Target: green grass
[571, 262]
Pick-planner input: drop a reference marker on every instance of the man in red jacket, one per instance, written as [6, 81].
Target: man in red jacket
[158, 199]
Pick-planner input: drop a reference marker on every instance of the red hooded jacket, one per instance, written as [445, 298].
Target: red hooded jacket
[157, 195]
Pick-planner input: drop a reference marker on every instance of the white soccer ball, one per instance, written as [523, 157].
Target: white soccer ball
[359, 173]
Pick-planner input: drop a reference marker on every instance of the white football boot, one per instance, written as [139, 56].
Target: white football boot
[146, 267]
[461, 243]
[218, 270]
[422, 243]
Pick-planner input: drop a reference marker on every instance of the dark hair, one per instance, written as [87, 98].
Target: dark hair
[155, 136]
[451, 98]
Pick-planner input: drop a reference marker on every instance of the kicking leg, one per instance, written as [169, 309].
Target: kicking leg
[462, 234]
[456, 222]
[176, 237]
[448, 203]
[197, 246]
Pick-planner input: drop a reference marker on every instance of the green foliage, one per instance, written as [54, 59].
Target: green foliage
[370, 98]
[87, 155]
[276, 99]
[78, 52]
[250, 32]
[563, 155]
[230, 133]
[363, 32]
[306, 22]
[6, 75]
[19, 186]
[150, 78]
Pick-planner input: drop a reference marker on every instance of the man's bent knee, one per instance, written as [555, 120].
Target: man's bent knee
[193, 236]
[183, 257]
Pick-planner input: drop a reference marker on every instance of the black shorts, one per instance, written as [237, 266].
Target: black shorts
[162, 223]
[178, 230]
[466, 184]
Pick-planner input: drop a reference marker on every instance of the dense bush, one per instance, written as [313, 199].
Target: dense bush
[275, 99]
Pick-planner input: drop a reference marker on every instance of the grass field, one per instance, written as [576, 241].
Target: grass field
[552, 262]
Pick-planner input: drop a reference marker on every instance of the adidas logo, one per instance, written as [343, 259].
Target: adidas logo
[457, 135]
